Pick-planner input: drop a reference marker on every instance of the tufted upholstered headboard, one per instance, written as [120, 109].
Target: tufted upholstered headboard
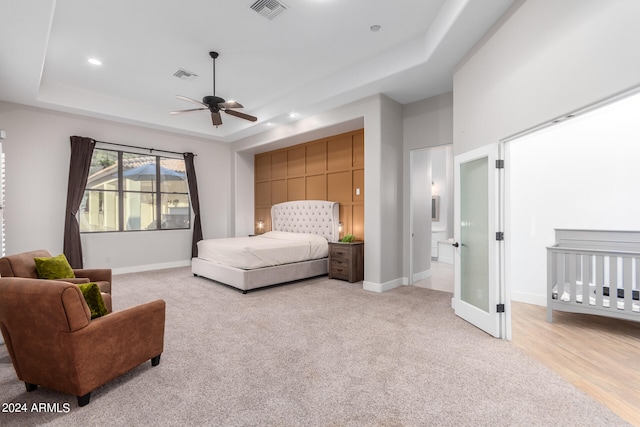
[307, 216]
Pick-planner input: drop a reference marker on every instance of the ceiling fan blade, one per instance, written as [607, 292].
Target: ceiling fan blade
[184, 98]
[186, 111]
[216, 119]
[241, 115]
[231, 104]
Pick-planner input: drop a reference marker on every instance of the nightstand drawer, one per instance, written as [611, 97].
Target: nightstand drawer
[340, 272]
[340, 262]
[340, 252]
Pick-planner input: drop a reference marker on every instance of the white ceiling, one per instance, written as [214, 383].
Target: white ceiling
[316, 54]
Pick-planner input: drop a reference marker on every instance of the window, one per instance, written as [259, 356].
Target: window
[129, 191]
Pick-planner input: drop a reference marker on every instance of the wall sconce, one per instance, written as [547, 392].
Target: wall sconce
[340, 227]
[260, 226]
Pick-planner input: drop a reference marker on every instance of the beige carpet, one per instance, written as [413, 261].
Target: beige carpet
[314, 353]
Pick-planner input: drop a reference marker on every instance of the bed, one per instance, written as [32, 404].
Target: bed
[594, 272]
[296, 248]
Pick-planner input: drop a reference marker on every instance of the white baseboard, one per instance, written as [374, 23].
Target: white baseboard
[421, 275]
[383, 287]
[445, 259]
[528, 298]
[150, 267]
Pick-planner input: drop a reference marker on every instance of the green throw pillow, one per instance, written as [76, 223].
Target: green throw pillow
[56, 267]
[93, 297]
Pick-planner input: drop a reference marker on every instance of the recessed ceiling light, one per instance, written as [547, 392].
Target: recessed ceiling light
[293, 115]
[375, 28]
[95, 61]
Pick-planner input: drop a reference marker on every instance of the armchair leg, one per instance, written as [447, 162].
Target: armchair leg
[155, 361]
[31, 387]
[84, 400]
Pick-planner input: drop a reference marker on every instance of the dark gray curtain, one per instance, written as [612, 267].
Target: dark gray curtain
[195, 202]
[81, 152]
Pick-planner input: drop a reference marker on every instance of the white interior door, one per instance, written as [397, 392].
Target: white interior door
[477, 290]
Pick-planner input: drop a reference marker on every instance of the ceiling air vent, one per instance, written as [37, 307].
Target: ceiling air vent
[184, 74]
[268, 8]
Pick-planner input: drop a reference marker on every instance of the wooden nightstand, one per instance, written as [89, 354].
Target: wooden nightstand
[346, 261]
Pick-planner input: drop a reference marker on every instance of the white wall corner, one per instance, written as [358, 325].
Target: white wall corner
[383, 287]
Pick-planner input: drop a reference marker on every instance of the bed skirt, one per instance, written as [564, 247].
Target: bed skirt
[246, 280]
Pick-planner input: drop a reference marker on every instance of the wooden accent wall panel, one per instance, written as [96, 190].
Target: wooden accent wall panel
[295, 190]
[325, 169]
[316, 187]
[263, 193]
[296, 161]
[316, 158]
[279, 165]
[340, 153]
[278, 191]
[263, 169]
[339, 187]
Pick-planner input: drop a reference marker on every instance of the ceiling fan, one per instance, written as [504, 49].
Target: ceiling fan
[214, 103]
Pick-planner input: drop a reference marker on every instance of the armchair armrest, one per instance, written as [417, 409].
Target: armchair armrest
[75, 280]
[94, 274]
[116, 343]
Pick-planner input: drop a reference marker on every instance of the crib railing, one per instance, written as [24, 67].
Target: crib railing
[593, 280]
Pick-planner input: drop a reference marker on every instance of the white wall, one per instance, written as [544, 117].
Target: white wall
[580, 174]
[37, 152]
[389, 180]
[546, 59]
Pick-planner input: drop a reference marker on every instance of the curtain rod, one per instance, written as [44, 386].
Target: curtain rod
[141, 148]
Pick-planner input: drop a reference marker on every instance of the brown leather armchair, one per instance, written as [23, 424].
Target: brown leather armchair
[53, 342]
[23, 265]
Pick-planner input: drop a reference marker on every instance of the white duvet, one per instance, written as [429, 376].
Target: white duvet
[265, 250]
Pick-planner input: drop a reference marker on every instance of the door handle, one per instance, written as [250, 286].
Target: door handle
[455, 245]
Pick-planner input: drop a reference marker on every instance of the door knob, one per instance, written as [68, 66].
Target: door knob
[455, 245]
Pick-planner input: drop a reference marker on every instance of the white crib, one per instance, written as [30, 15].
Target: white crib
[594, 272]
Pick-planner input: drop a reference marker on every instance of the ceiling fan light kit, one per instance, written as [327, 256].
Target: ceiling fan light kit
[215, 104]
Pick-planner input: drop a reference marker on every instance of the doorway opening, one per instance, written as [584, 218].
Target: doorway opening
[431, 217]
[578, 173]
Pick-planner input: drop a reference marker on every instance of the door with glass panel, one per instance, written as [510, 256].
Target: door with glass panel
[477, 292]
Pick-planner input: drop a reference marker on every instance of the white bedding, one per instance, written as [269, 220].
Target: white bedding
[265, 250]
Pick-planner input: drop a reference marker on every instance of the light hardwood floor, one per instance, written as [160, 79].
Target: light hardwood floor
[599, 355]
